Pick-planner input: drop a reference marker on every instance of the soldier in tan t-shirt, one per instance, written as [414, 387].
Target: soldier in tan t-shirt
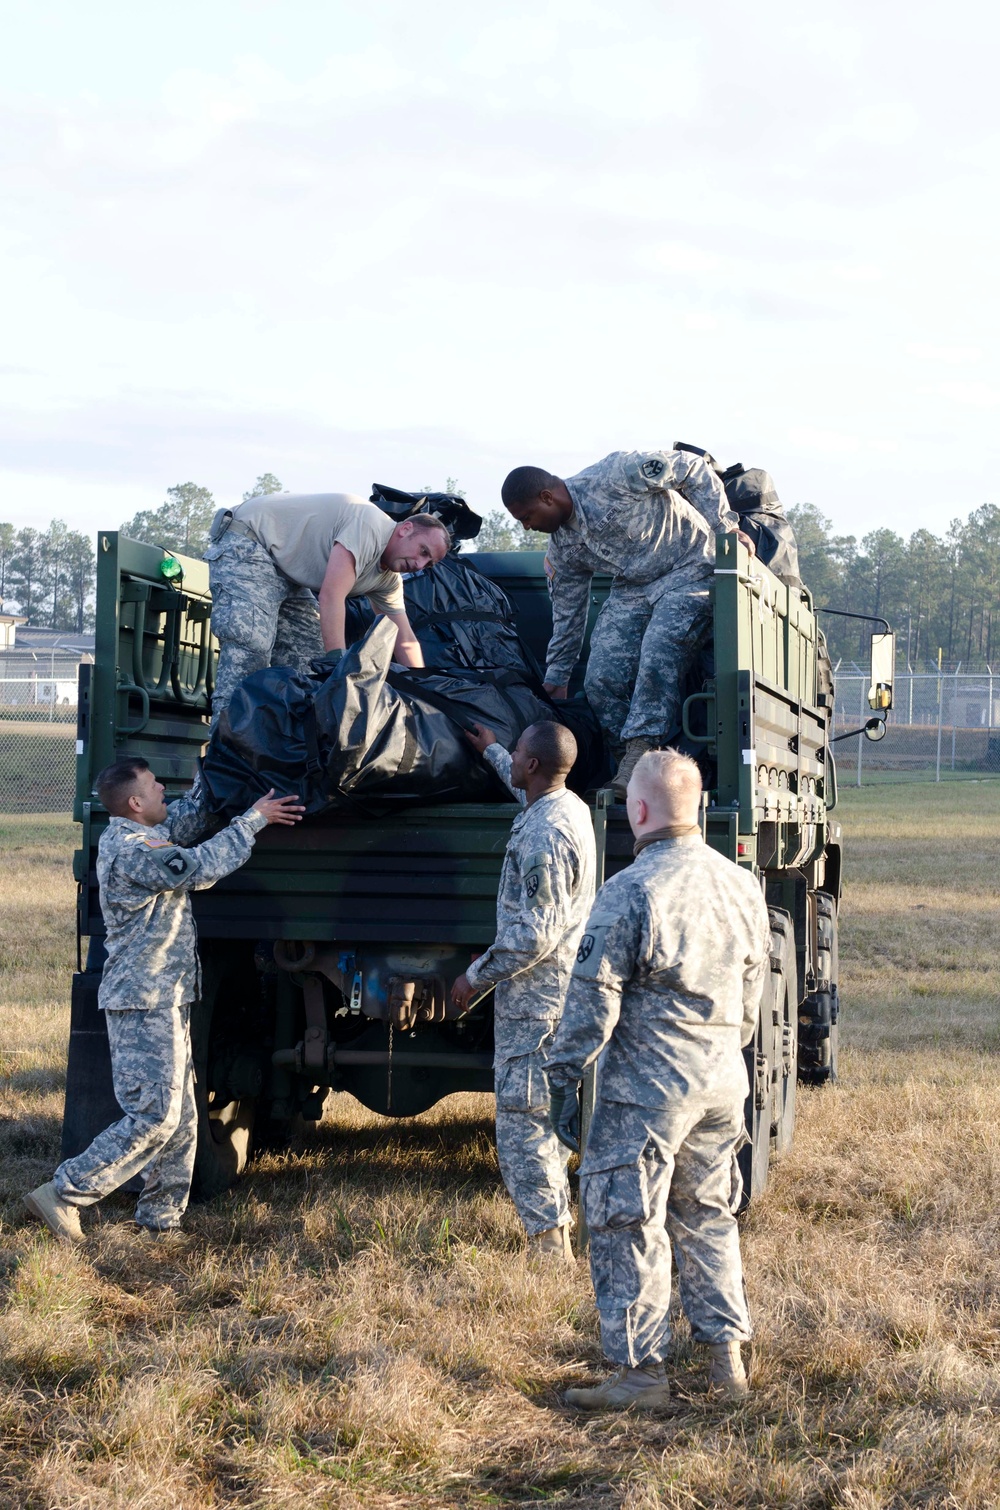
[269, 559]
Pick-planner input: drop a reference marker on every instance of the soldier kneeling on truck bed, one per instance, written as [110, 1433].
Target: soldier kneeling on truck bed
[150, 979]
[666, 990]
[546, 888]
[648, 517]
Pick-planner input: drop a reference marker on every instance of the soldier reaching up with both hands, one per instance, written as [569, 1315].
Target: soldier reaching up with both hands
[149, 982]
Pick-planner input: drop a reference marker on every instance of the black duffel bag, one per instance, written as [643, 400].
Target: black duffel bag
[367, 730]
[462, 619]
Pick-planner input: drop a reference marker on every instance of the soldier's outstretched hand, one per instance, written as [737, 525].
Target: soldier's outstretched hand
[480, 737]
[286, 810]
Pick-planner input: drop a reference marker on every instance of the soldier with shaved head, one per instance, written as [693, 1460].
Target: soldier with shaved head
[546, 888]
[665, 993]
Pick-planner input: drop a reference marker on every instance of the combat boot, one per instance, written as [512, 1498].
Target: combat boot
[553, 1246]
[726, 1374]
[58, 1215]
[634, 750]
[643, 1388]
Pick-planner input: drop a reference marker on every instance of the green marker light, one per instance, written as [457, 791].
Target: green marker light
[171, 568]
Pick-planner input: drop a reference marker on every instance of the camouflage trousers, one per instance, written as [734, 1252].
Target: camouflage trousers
[259, 616]
[157, 1137]
[640, 650]
[648, 1182]
[532, 1160]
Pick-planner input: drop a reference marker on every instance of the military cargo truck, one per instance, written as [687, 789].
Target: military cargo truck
[327, 959]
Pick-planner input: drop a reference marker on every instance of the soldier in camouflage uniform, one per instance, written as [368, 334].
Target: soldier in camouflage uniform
[546, 889]
[282, 567]
[649, 518]
[150, 978]
[666, 990]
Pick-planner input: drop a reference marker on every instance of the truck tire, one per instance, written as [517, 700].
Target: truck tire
[819, 1013]
[222, 1025]
[784, 1002]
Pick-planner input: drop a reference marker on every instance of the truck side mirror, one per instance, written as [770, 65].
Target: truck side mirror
[883, 666]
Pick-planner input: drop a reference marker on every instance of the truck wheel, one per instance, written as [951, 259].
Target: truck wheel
[224, 1137]
[819, 1013]
[227, 1076]
[784, 1000]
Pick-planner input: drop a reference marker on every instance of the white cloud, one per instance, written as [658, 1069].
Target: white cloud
[951, 356]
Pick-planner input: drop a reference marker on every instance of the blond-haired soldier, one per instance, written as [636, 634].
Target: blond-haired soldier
[273, 556]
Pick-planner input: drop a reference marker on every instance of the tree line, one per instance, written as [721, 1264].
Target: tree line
[49, 575]
[938, 592]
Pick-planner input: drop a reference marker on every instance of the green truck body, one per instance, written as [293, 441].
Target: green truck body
[326, 959]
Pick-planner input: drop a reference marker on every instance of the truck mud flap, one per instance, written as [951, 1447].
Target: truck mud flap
[90, 1098]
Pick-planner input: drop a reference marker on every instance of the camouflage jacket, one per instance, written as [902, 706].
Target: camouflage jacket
[644, 516]
[546, 889]
[145, 875]
[668, 979]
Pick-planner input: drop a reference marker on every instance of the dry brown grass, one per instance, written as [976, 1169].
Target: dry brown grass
[355, 1324]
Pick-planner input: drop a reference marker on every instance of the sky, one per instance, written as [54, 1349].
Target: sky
[400, 242]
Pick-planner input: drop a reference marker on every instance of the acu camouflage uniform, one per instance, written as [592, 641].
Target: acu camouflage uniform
[666, 990]
[151, 977]
[546, 888]
[649, 518]
[259, 616]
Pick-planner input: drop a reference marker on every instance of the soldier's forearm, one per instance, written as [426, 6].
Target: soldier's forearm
[189, 816]
[570, 605]
[505, 962]
[500, 759]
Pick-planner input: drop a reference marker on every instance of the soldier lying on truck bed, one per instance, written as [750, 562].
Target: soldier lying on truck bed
[150, 979]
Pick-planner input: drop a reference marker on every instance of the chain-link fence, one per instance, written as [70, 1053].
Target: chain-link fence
[37, 732]
[943, 727]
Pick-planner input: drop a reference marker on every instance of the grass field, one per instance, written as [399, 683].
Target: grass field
[355, 1325]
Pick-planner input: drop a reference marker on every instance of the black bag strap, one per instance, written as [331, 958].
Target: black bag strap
[409, 750]
[501, 680]
[310, 735]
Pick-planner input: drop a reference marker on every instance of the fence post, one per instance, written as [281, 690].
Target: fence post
[861, 737]
[989, 715]
[937, 771]
[954, 704]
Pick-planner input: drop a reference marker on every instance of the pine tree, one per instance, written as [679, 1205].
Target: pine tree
[26, 574]
[265, 485]
[181, 522]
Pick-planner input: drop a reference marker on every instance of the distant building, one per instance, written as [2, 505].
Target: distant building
[10, 623]
[64, 644]
[39, 668]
